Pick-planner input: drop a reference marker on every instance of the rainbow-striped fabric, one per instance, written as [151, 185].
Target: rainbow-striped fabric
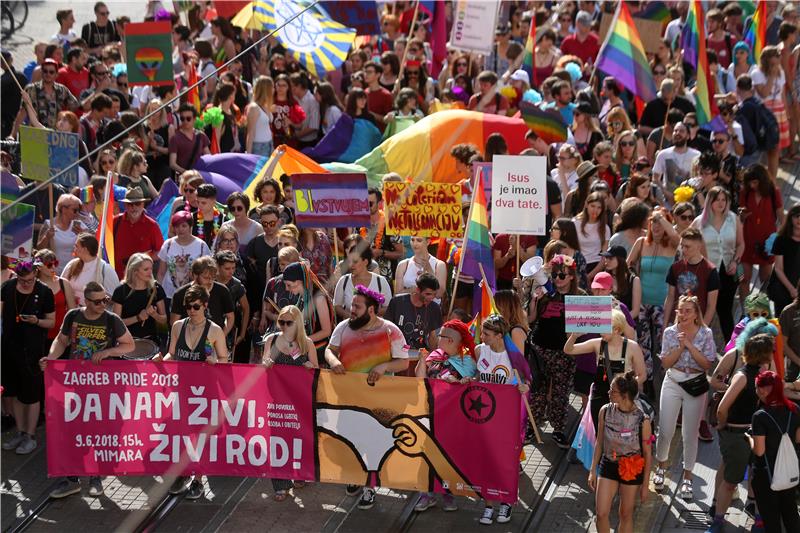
[546, 123]
[622, 56]
[693, 42]
[756, 34]
[530, 46]
[105, 233]
[477, 249]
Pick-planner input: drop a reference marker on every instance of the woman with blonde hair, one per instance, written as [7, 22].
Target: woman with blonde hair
[510, 307]
[131, 168]
[688, 352]
[106, 162]
[140, 301]
[626, 152]
[60, 233]
[259, 117]
[618, 122]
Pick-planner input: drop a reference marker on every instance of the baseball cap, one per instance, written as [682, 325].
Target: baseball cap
[615, 251]
[603, 280]
[521, 75]
[584, 18]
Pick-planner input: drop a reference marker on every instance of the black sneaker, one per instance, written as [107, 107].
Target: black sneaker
[750, 509]
[353, 490]
[367, 498]
[195, 490]
[504, 514]
[180, 485]
[561, 441]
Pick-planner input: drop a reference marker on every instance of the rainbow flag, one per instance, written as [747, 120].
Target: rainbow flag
[546, 123]
[622, 56]
[284, 160]
[486, 308]
[477, 250]
[693, 42]
[756, 34]
[657, 11]
[530, 46]
[105, 231]
[193, 96]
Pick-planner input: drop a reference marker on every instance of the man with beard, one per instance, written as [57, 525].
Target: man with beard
[366, 343]
[674, 164]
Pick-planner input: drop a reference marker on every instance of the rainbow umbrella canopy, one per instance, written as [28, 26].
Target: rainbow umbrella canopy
[319, 43]
[422, 151]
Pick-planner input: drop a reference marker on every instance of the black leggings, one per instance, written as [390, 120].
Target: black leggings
[775, 507]
[727, 291]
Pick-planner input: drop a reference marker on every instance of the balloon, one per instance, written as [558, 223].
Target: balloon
[149, 61]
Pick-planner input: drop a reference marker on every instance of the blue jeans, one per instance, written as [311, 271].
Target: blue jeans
[262, 148]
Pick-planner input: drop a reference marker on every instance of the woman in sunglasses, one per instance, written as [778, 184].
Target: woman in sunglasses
[245, 229]
[626, 152]
[288, 346]
[46, 263]
[106, 162]
[683, 214]
[547, 340]
[194, 339]
[60, 233]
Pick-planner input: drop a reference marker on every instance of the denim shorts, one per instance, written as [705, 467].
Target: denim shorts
[262, 148]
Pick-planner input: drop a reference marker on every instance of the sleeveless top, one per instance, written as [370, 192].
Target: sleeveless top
[413, 271]
[199, 353]
[63, 244]
[721, 245]
[746, 403]
[602, 381]
[623, 432]
[652, 273]
[282, 358]
[263, 132]
[61, 310]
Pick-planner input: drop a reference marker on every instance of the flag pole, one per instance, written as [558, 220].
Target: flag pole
[517, 256]
[102, 241]
[610, 30]
[530, 412]
[463, 248]
[405, 50]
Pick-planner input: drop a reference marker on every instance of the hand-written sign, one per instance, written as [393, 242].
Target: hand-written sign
[587, 314]
[17, 223]
[46, 152]
[330, 200]
[473, 25]
[423, 210]
[519, 195]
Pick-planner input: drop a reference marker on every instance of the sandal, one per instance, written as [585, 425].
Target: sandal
[280, 495]
[686, 491]
[299, 484]
[658, 479]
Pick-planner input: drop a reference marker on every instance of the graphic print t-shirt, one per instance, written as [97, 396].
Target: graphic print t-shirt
[362, 350]
[493, 367]
[87, 337]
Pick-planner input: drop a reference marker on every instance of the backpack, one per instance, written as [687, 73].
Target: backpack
[787, 471]
[766, 129]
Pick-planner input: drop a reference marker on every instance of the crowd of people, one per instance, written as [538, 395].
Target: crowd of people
[686, 229]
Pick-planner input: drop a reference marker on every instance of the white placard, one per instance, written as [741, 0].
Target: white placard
[474, 23]
[519, 194]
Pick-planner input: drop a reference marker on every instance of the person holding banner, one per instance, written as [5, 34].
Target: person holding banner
[195, 339]
[89, 333]
[140, 300]
[28, 311]
[314, 301]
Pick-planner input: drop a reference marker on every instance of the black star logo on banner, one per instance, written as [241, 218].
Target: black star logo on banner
[478, 404]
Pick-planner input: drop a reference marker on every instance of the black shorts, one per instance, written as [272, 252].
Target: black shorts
[582, 382]
[464, 290]
[610, 470]
[22, 377]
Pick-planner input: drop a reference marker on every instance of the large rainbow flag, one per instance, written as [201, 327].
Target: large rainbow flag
[284, 160]
[756, 34]
[477, 250]
[530, 46]
[693, 42]
[622, 56]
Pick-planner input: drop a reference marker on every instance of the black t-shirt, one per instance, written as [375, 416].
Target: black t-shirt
[790, 250]
[220, 303]
[132, 304]
[655, 112]
[696, 280]
[553, 198]
[763, 425]
[87, 337]
[39, 302]
[257, 255]
[95, 35]
[415, 322]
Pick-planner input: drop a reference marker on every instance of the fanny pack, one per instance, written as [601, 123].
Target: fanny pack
[696, 386]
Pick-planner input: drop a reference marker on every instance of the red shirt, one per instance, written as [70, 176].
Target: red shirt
[129, 238]
[721, 48]
[379, 101]
[585, 50]
[502, 244]
[76, 82]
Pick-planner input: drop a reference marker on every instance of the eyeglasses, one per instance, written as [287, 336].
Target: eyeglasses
[755, 314]
[101, 301]
[555, 228]
[720, 141]
[615, 124]
[659, 72]
[196, 307]
[187, 118]
[270, 224]
[237, 208]
[565, 157]
[559, 275]
[227, 241]
[122, 84]
[627, 143]
[285, 323]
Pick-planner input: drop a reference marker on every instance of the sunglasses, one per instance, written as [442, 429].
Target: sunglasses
[756, 314]
[659, 73]
[189, 190]
[187, 118]
[237, 208]
[686, 217]
[461, 64]
[720, 141]
[413, 72]
[122, 84]
[136, 204]
[559, 275]
[690, 124]
[196, 307]
[270, 224]
[107, 162]
[285, 323]
[627, 143]
[101, 301]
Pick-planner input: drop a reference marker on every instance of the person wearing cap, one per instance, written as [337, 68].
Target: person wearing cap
[584, 43]
[603, 285]
[135, 231]
[521, 82]
[576, 198]
[496, 60]
[585, 130]
[47, 97]
[178, 253]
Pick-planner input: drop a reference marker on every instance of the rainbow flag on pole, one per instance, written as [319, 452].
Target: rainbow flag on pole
[622, 56]
[546, 123]
[530, 47]
[756, 34]
[105, 231]
[477, 250]
[693, 42]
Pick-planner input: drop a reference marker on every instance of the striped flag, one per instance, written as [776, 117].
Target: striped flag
[528, 61]
[546, 123]
[193, 96]
[477, 250]
[105, 231]
[693, 42]
[756, 34]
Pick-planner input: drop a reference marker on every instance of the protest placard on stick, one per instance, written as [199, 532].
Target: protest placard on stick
[423, 210]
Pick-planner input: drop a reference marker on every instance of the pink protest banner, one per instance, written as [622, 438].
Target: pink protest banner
[143, 418]
[134, 418]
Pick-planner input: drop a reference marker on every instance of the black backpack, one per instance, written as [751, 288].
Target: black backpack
[766, 131]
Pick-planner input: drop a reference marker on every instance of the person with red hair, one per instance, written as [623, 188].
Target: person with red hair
[778, 415]
[453, 361]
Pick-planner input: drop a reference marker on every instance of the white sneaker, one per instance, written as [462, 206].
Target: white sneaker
[14, 441]
[488, 515]
[504, 514]
[27, 445]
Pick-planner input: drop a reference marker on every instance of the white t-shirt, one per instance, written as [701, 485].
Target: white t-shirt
[332, 115]
[179, 261]
[92, 271]
[777, 88]
[674, 167]
[343, 293]
[494, 367]
[591, 244]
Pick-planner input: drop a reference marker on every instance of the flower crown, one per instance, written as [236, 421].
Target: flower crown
[368, 293]
[564, 260]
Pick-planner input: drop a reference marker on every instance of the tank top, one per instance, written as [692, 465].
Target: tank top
[721, 245]
[282, 358]
[263, 131]
[61, 310]
[653, 273]
[413, 271]
[602, 381]
[746, 402]
[63, 244]
[622, 435]
[199, 352]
